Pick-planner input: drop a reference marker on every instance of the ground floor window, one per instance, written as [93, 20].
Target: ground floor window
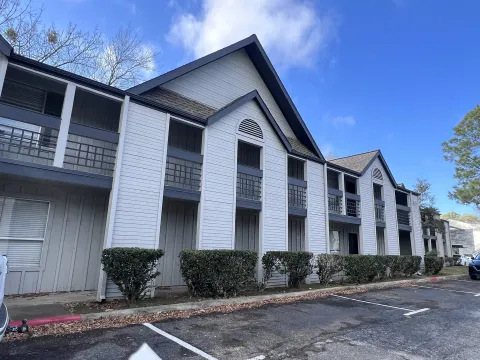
[22, 230]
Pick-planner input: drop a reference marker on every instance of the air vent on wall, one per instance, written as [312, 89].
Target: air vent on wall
[251, 128]
[377, 174]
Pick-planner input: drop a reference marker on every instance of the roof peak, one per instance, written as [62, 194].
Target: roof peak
[363, 153]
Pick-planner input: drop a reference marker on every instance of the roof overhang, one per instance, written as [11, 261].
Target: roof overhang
[266, 70]
[5, 48]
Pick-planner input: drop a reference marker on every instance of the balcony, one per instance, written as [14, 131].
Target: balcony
[27, 142]
[249, 187]
[335, 204]
[403, 218]
[380, 213]
[297, 197]
[183, 174]
[353, 207]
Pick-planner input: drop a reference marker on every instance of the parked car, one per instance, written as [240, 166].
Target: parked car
[465, 259]
[474, 268]
[3, 307]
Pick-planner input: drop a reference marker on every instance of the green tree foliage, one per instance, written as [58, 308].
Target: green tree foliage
[463, 150]
[429, 213]
[468, 218]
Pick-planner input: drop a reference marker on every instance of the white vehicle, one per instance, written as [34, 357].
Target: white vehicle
[465, 259]
[3, 307]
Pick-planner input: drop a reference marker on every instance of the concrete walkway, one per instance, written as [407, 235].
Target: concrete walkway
[44, 306]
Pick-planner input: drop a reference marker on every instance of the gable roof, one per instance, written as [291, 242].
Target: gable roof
[266, 70]
[175, 100]
[359, 163]
[5, 48]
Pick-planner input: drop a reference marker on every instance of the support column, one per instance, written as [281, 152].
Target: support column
[341, 185]
[327, 213]
[64, 125]
[112, 203]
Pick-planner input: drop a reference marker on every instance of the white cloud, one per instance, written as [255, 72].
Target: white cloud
[342, 121]
[292, 31]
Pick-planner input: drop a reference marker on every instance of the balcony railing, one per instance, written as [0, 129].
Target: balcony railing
[181, 173]
[90, 155]
[379, 212]
[353, 207]
[335, 204]
[403, 217]
[249, 187]
[297, 196]
[27, 142]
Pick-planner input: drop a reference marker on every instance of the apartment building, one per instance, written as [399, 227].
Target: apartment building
[211, 155]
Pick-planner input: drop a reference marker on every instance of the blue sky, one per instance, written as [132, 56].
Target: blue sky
[395, 75]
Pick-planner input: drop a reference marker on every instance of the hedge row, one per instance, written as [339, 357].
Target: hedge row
[213, 273]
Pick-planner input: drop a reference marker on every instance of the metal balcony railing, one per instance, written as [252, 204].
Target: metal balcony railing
[185, 174]
[403, 217]
[249, 186]
[353, 207]
[27, 142]
[335, 204]
[297, 196]
[90, 155]
[379, 212]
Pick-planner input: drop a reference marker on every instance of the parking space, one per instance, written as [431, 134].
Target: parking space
[431, 321]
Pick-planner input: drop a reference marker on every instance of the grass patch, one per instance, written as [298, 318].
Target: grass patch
[454, 270]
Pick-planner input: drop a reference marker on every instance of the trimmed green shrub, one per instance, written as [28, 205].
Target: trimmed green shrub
[328, 265]
[211, 273]
[432, 253]
[132, 270]
[433, 265]
[296, 264]
[411, 264]
[449, 261]
[362, 268]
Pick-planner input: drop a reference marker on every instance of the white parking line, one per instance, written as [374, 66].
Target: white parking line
[457, 291]
[180, 342]
[410, 312]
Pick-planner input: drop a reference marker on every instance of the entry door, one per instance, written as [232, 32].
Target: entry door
[352, 243]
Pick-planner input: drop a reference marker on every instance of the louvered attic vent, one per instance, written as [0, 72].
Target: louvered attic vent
[251, 128]
[377, 174]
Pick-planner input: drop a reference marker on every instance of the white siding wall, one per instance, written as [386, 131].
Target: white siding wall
[222, 81]
[368, 234]
[218, 186]
[417, 227]
[139, 190]
[368, 211]
[317, 240]
[136, 216]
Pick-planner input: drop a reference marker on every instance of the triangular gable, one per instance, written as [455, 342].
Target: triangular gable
[262, 63]
[384, 164]
[253, 95]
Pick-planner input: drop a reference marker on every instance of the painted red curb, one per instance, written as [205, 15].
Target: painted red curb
[49, 320]
[433, 279]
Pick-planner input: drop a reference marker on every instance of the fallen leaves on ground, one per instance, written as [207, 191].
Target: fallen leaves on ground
[59, 329]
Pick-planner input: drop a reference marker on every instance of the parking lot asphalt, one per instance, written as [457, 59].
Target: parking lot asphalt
[432, 321]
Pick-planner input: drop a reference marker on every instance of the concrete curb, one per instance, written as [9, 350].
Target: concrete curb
[252, 299]
[49, 320]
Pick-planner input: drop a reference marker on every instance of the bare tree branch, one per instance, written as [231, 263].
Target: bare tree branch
[123, 60]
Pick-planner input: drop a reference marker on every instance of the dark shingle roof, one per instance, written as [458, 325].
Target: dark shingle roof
[301, 149]
[172, 99]
[356, 163]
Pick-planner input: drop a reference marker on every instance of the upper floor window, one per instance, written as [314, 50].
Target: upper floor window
[185, 137]
[250, 127]
[350, 185]
[33, 92]
[401, 198]
[296, 168]
[377, 174]
[248, 155]
[332, 179]
[377, 192]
